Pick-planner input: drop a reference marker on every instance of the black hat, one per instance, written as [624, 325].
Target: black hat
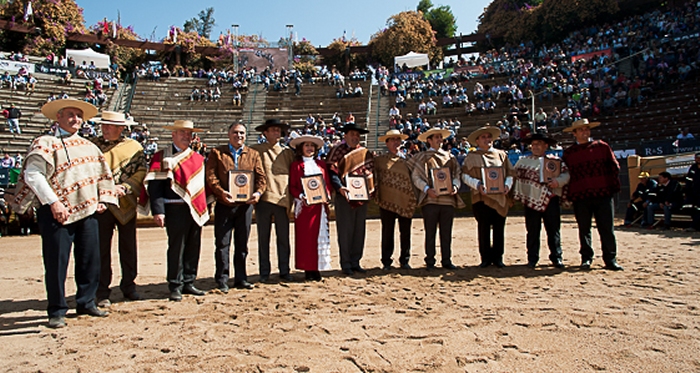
[539, 136]
[273, 123]
[352, 126]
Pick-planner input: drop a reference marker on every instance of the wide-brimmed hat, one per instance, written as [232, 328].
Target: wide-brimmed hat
[583, 122]
[539, 136]
[183, 125]
[352, 126]
[643, 174]
[51, 109]
[494, 131]
[424, 136]
[306, 138]
[114, 118]
[392, 133]
[273, 123]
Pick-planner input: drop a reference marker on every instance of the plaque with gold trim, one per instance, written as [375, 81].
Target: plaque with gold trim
[442, 180]
[493, 180]
[315, 189]
[240, 185]
[549, 169]
[357, 186]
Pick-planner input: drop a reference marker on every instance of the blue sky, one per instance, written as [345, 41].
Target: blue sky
[316, 20]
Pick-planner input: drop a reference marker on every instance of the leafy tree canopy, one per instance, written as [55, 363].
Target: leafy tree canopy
[543, 21]
[405, 32]
[203, 24]
[441, 19]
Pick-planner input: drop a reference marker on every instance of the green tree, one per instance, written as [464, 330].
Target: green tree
[203, 24]
[441, 19]
[405, 32]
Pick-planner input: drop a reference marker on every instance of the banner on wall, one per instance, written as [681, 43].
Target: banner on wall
[592, 55]
[262, 58]
[7, 65]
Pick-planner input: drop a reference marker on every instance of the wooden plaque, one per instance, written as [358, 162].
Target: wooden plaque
[358, 188]
[315, 189]
[442, 180]
[493, 180]
[549, 169]
[240, 185]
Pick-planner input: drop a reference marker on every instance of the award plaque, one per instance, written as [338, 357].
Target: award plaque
[493, 180]
[315, 189]
[549, 169]
[240, 185]
[442, 182]
[358, 188]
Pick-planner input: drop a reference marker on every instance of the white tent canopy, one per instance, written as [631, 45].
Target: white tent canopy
[88, 55]
[412, 59]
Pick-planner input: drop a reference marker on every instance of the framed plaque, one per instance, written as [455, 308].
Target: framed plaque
[493, 180]
[315, 189]
[358, 188]
[442, 180]
[549, 169]
[240, 185]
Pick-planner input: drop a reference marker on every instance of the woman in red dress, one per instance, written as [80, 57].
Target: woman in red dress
[312, 236]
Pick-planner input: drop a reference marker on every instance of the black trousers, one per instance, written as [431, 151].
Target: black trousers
[350, 222]
[632, 211]
[127, 254]
[226, 220]
[264, 212]
[489, 220]
[434, 216]
[600, 208]
[184, 245]
[56, 242]
[388, 219]
[551, 217]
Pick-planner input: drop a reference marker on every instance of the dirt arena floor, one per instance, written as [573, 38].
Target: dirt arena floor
[644, 319]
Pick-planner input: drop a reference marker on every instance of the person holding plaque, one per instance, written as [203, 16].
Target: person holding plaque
[396, 198]
[127, 161]
[435, 174]
[540, 178]
[309, 184]
[174, 193]
[489, 173]
[594, 182]
[237, 179]
[351, 169]
[275, 202]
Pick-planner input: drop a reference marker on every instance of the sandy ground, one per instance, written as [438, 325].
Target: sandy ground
[644, 319]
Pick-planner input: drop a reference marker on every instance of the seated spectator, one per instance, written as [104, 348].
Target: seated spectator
[6, 80]
[358, 90]
[67, 79]
[431, 107]
[195, 95]
[236, 98]
[31, 83]
[667, 196]
[216, 95]
[114, 82]
[350, 118]
[685, 134]
[394, 112]
[400, 100]
[641, 194]
[101, 98]
[422, 108]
